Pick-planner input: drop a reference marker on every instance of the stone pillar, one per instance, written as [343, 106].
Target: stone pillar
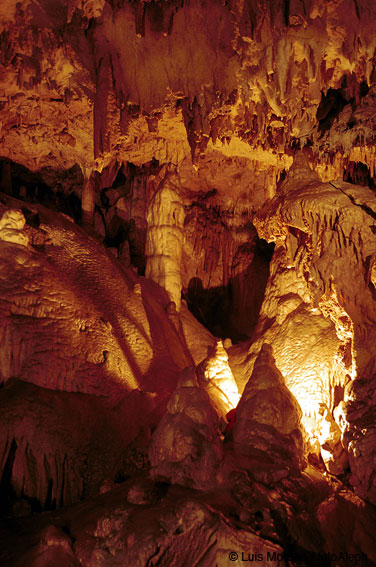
[164, 241]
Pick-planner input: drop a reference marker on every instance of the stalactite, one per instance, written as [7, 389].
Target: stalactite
[102, 88]
[207, 232]
[193, 123]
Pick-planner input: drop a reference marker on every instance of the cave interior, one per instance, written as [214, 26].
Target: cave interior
[187, 283]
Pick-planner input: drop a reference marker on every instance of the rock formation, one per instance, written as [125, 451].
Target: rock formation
[325, 234]
[215, 376]
[165, 220]
[11, 224]
[187, 282]
[268, 418]
[185, 448]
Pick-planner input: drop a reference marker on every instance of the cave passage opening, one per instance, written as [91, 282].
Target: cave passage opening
[232, 310]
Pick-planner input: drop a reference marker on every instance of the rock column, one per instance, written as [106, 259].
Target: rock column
[165, 219]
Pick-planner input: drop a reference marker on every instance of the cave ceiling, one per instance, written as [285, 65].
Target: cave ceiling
[234, 86]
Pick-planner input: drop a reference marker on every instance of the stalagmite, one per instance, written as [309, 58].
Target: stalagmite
[214, 374]
[165, 220]
[185, 448]
[267, 426]
[331, 261]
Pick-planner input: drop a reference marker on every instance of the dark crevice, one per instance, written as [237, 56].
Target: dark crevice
[358, 173]
[231, 311]
[126, 230]
[357, 11]
[50, 502]
[286, 12]
[331, 105]
[6, 491]
[365, 208]
[56, 189]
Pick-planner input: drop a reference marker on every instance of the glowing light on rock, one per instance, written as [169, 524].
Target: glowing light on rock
[215, 374]
[11, 226]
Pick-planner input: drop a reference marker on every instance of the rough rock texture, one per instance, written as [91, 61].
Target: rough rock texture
[245, 504]
[215, 375]
[62, 337]
[298, 520]
[329, 437]
[11, 224]
[267, 422]
[313, 360]
[188, 79]
[225, 266]
[326, 237]
[171, 131]
[185, 448]
[67, 287]
[165, 220]
[49, 458]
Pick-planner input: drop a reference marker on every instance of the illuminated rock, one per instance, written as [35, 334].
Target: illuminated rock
[65, 333]
[122, 95]
[165, 237]
[306, 348]
[326, 232]
[11, 226]
[88, 201]
[214, 374]
[168, 131]
[329, 437]
[268, 418]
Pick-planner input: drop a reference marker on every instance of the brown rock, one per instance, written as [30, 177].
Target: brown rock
[185, 447]
[268, 417]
